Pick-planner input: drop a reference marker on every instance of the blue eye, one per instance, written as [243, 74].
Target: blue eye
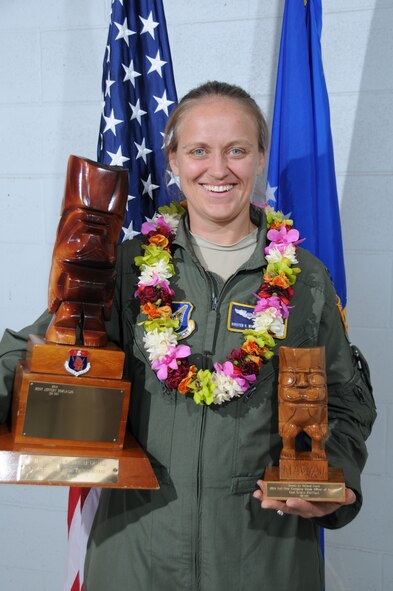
[199, 152]
[236, 152]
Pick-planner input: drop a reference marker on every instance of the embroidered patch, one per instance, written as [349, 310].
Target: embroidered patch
[343, 313]
[182, 312]
[240, 319]
[77, 364]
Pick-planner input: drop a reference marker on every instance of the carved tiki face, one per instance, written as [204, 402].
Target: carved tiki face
[302, 377]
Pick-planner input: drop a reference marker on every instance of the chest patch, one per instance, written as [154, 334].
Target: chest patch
[182, 312]
[240, 318]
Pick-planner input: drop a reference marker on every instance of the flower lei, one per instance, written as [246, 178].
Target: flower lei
[169, 360]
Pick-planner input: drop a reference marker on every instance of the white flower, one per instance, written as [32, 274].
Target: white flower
[160, 269]
[157, 342]
[290, 254]
[274, 255]
[225, 389]
[269, 319]
[172, 220]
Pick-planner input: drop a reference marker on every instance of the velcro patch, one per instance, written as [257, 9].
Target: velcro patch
[240, 317]
[182, 312]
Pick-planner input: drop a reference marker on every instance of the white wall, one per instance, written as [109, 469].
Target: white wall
[50, 70]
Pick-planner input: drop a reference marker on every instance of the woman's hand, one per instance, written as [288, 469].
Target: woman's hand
[300, 507]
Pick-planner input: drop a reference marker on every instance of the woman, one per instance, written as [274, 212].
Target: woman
[204, 400]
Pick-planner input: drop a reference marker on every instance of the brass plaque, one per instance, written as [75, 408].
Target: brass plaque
[45, 468]
[70, 411]
[310, 491]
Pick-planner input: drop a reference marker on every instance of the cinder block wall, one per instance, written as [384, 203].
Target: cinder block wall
[50, 67]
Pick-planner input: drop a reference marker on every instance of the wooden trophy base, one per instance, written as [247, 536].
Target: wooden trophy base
[304, 477]
[70, 466]
[69, 415]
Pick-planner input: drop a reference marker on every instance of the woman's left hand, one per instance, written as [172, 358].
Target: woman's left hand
[300, 507]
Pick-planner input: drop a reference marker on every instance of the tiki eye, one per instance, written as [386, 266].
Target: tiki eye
[316, 379]
[287, 379]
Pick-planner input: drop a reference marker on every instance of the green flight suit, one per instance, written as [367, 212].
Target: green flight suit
[203, 530]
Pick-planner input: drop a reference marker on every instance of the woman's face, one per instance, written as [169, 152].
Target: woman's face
[217, 160]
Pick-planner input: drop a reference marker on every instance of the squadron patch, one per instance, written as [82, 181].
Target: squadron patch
[182, 312]
[240, 319]
[77, 364]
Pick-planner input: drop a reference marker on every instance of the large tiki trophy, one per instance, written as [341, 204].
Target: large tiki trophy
[70, 398]
[82, 277]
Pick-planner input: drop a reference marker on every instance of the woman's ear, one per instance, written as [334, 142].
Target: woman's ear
[172, 159]
[261, 164]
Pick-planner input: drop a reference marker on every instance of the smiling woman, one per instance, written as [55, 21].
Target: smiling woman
[202, 304]
[217, 146]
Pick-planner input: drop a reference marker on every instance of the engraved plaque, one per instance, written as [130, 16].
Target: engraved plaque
[311, 491]
[74, 412]
[71, 469]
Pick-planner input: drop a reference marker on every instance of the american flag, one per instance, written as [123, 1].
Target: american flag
[138, 95]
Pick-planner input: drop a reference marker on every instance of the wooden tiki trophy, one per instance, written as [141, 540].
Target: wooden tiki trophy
[70, 401]
[302, 408]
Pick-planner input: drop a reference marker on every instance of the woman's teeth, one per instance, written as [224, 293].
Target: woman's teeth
[218, 188]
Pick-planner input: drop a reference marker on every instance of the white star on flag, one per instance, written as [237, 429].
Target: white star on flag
[173, 179]
[270, 193]
[131, 74]
[137, 112]
[148, 186]
[162, 103]
[149, 25]
[129, 232]
[117, 159]
[156, 64]
[130, 198]
[124, 31]
[111, 122]
[108, 84]
[142, 150]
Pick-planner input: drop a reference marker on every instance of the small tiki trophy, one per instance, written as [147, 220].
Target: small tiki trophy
[302, 408]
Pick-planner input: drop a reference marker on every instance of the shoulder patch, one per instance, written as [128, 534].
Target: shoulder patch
[182, 312]
[343, 313]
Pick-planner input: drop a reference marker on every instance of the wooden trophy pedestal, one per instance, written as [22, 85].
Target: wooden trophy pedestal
[69, 416]
[304, 478]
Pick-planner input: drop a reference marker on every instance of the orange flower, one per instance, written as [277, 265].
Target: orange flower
[281, 280]
[152, 311]
[183, 386]
[159, 240]
[251, 348]
[257, 360]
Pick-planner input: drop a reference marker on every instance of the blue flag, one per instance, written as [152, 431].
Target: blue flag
[301, 175]
[138, 93]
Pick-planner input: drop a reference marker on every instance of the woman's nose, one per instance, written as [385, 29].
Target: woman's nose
[218, 166]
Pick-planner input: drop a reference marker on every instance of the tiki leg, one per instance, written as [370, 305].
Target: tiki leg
[65, 321]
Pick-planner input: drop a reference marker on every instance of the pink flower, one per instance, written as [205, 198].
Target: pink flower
[271, 302]
[170, 360]
[148, 227]
[280, 239]
[228, 369]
